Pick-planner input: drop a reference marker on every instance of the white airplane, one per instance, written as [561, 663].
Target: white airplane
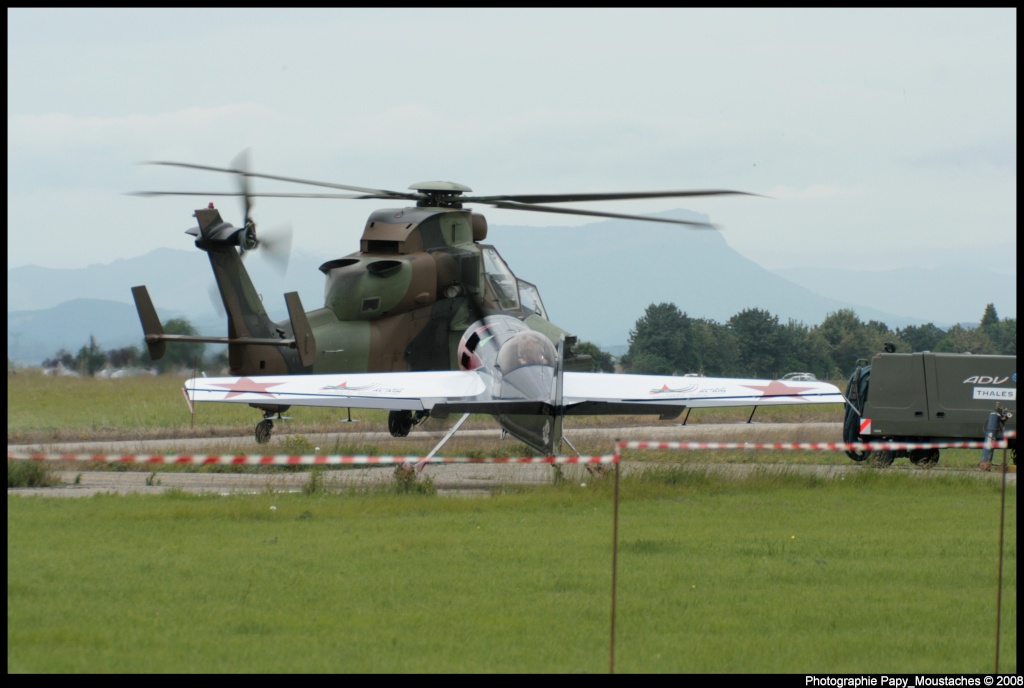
[515, 374]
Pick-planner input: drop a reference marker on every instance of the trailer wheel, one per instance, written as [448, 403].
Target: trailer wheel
[881, 459]
[924, 458]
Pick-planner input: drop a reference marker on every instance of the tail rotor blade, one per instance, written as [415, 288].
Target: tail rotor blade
[241, 168]
[276, 245]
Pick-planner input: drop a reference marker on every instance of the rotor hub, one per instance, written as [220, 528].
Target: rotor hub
[439, 194]
[249, 240]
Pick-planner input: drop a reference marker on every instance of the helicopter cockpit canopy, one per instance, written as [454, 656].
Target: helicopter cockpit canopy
[529, 297]
[502, 282]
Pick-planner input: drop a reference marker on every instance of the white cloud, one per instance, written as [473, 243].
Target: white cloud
[863, 126]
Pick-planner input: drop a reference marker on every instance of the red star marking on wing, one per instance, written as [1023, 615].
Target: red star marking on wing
[777, 388]
[246, 386]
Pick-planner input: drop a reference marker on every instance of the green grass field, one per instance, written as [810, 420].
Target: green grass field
[879, 573]
[774, 573]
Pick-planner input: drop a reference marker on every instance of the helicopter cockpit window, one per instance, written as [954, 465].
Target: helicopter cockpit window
[530, 298]
[526, 348]
[501, 279]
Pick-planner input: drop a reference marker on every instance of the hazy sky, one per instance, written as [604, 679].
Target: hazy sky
[884, 137]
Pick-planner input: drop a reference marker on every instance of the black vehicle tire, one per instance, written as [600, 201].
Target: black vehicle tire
[924, 458]
[263, 429]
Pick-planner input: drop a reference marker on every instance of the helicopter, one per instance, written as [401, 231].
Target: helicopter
[425, 319]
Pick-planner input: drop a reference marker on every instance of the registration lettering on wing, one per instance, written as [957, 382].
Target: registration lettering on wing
[665, 389]
[344, 387]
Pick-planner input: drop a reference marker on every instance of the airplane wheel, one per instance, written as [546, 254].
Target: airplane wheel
[881, 459]
[924, 458]
[263, 429]
[399, 423]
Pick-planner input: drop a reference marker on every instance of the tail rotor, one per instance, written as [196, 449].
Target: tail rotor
[276, 244]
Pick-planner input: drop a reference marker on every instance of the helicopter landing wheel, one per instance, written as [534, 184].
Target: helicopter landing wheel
[263, 429]
[400, 423]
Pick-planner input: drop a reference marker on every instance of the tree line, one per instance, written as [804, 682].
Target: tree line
[178, 356]
[754, 343]
[666, 341]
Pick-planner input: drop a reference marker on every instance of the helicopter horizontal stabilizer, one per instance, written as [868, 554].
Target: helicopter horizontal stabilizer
[156, 339]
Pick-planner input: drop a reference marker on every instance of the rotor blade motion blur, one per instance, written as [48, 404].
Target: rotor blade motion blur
[445, 194]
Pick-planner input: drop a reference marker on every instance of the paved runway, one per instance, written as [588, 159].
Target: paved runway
[451, 479]
[707, 432]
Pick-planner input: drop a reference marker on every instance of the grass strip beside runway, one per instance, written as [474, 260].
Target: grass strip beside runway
[786, 573]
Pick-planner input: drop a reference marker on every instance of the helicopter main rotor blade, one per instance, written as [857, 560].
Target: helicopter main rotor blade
[596, 213]
[385, 193]
[259, 194]
[613, 196]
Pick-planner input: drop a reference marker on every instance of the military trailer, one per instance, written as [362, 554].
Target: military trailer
[928, 397]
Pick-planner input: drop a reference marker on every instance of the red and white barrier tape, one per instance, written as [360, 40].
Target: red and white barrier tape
[821, 446]
[331, 459]
[300, 459]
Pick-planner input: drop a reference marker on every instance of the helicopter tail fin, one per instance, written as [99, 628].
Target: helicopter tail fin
[301, 331]
[151, 326]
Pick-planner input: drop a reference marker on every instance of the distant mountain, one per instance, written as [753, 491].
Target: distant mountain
[177, 279]
[595, 280]
[944, 295]
[33, 336]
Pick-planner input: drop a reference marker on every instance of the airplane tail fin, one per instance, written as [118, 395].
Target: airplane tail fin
[557, 398]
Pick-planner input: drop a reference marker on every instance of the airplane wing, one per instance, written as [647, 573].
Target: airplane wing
[598, 393]
[466, 391]
[412, 391]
